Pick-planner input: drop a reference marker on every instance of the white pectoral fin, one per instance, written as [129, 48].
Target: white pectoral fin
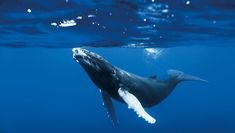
[133, 103]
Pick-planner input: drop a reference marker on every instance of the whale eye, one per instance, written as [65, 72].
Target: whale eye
[113, 72]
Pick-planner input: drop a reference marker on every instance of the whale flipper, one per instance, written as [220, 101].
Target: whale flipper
[108, 104]
[133, 103]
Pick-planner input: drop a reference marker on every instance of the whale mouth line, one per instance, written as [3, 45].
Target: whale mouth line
[79, 52]
[85, 57]
[85, 53]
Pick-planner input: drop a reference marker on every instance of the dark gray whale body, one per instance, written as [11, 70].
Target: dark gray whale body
[137, 92]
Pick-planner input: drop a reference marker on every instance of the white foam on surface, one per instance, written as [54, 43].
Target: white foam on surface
[67, 23]
[29, 10]
[165, 10]
[91, 16]
[79, 17]
[53, 24]
[187, 2]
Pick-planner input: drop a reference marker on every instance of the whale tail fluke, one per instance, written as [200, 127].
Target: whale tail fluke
[181, 76]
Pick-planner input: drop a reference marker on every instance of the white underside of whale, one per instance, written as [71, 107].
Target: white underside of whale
[133, 103]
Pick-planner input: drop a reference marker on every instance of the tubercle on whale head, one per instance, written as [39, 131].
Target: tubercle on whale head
[80, 52]
[91, 62]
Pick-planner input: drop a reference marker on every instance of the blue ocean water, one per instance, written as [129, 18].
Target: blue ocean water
[42, 88]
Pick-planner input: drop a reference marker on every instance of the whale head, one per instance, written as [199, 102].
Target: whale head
[87, 58]
[96, 66]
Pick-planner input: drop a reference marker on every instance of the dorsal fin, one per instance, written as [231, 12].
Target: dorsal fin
[153, 77]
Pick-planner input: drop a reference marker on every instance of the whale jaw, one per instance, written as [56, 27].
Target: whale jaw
[87, 59]
[78, 52]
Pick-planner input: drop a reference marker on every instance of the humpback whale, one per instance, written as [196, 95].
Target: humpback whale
[128, 88]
